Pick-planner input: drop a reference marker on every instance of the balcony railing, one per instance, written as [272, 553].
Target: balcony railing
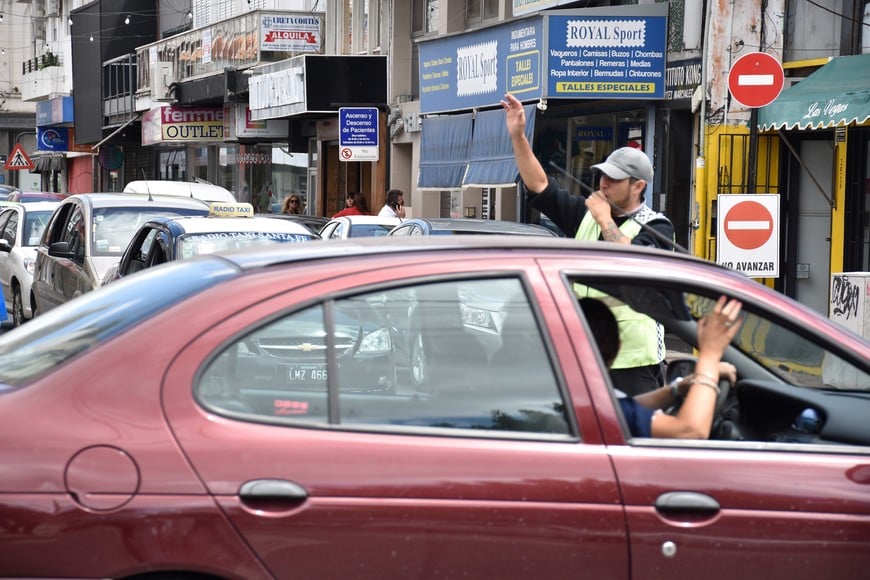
[40, 62]
[253, 38]
[119, 89]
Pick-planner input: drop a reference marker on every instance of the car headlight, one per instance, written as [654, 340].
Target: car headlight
[30, 265]
[377, 342]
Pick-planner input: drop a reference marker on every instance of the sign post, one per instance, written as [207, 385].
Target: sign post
[358, 134]
[747, 239]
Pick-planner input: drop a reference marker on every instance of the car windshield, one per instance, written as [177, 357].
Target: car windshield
[73, 328]
[114, 227]
[787, 354]
[370, 230]
[208, 243]
[34, 225]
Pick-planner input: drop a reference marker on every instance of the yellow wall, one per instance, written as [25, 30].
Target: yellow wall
[726, 157]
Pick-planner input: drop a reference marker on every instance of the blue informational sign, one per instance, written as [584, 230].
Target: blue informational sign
[52, 138]
[595, 53]
[358, 133]
[607, 57]
[476, 69]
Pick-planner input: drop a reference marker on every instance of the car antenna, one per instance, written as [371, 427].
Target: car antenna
[658, 235]
[147, 188]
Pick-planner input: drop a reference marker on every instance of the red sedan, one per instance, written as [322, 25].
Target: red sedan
[430, 408]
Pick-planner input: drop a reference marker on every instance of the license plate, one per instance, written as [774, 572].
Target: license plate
[306, 373]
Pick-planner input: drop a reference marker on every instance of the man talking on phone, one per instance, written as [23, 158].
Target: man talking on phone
[395, 206]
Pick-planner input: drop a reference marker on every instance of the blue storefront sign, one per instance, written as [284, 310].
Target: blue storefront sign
[478, 68]
[607, 57]
[54, 111]
[594, 53]
[52, 138]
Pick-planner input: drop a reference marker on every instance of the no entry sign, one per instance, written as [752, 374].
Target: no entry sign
[748, 234]
[755, 79]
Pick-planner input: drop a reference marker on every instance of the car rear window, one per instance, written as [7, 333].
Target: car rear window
[93, 318]
[370, 230]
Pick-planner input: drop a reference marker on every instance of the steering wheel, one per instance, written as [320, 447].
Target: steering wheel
[718, 409]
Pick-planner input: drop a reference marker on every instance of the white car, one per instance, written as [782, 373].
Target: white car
[21, 227]
[358, 226]
[164, 239]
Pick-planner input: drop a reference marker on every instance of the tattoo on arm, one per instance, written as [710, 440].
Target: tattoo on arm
[611, 233]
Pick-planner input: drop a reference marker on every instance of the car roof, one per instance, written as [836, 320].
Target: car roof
[407, 246]
[135, 200]
[203, 224]
[203, 191]
[312, 222]
[485, 226]
[38, 206]
[369, 219]
[32, 196]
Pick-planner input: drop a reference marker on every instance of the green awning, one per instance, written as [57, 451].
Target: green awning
[836, 95]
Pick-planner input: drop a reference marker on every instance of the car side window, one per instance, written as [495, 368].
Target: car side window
[74, 235]
[793, 386]
[57, 224]
[466, 354]
[139, 251]
[337, 231]
[10, 228]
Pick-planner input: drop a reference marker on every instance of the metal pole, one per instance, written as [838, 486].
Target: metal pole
[753, 151]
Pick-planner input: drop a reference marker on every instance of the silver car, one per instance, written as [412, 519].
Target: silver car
[87, 235]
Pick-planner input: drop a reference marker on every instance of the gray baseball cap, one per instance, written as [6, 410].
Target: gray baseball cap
[627, 162]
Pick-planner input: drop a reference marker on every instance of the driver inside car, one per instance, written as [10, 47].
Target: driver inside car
[696, 395]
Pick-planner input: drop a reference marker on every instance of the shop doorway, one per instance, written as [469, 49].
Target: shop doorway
[341, 178]
[812, 239]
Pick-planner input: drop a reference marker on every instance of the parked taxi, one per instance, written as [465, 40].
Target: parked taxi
[228, 226]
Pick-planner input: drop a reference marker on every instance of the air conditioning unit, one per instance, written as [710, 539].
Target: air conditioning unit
[52, 8]
[162, 76]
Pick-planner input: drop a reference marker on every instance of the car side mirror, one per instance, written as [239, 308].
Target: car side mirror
[60, 250]
[5, 246]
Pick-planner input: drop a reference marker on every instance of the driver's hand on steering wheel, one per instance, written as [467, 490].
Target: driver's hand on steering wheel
[727, 372]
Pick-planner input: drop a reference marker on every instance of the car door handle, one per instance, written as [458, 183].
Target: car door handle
[686, 501]
[264, 489]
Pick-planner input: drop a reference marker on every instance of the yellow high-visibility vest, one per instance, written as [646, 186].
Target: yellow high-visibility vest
[641, 339]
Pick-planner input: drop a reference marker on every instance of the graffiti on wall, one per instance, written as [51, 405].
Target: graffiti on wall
[845, 297]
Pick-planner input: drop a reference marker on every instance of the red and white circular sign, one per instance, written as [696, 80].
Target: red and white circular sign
[756, 79]
[748, 225]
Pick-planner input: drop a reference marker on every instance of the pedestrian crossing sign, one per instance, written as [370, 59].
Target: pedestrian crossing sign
[18, 159]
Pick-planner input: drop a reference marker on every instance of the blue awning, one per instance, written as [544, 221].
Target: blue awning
[444, 148]
[492, 162]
